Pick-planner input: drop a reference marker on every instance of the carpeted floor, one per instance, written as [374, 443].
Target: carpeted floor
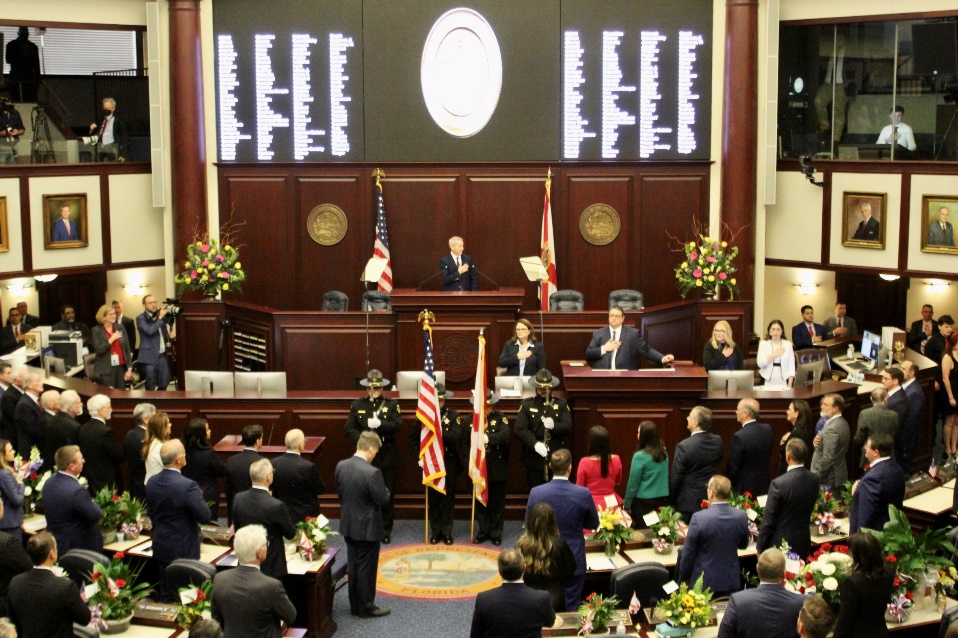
[421, 617]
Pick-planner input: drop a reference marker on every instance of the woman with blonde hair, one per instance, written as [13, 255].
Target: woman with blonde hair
[114, 358]
[11, 492]
[157, 433]
[721, 352]
[549, 561]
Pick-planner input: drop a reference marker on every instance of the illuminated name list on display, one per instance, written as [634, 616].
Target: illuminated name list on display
[339, 116]
[688, 43]
[649, 96]
[230, 126]
[612, 116]
[574, 124]
[304, 138]
[266, 118]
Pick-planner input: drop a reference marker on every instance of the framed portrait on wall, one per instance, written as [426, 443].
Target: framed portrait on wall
[4, 233]
[863, 220]
[65, 221]
[937, 230]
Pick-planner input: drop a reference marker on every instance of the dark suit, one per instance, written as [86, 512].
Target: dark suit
[711, 547]
[916, 335]
[74, 326]
[203, 466]
[832, 323]
[72, 516]
[881, 486]
[452, 280]
[575, 511]
[769, 611]
[801, 338]
[898, 403]
[297, 483]
[43, 605]
[362, 493]
[62, 430]
[387, 460]
[509, 359]
[696, 460]
[250, 604]
[255, 506]
[8, 342]
[60, 232]
[176, 509]
[237, 476]
[129, 328]
[46, 423]
[627, 356]
[867, 230]
[13, 561]
[28, 425]
[110, 375]
[512, 610]
[103, 454]
[938, 236]
[8, 406]
[748, 455]
[791, 499]
[27, 323]
[911, 429]
[530, 430]
[153, 363]
[878, 419]
[136, 466]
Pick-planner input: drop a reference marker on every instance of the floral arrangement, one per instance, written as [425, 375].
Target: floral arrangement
[666, 530]
[211, 267]
[823, 514]
[121, 512]
[707, 264]
[28, 471]
[194, 604]
[946, 580]
[687, 606]
[595, 613]
[826, 570]
[116, 594]
[611, 530]
[131, 516]
[312, 540]
[752, 508]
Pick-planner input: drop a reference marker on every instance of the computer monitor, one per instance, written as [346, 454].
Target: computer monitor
[732, 380]
[809, 373]
[260, 381]
[507, 386]
[871, 344]
[54, 365]
[407, 381]
[216, 381]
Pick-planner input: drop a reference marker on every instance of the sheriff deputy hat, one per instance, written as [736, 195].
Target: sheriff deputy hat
[374, 379]
[491, 397]
[442, 392]
[543, 379]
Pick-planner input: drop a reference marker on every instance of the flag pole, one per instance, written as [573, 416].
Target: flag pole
[425, 536]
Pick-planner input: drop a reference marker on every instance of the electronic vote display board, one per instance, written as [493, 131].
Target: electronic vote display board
[439, 80]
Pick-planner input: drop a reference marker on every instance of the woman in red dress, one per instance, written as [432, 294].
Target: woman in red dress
[601, 471]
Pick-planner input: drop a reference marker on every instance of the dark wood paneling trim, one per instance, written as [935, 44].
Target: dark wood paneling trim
[903, 219]
[69, 170]
[826, 217]
[26, 240]
[914, 274]
[73, 25]
[76, 270]
[921, 15]
[105, 219]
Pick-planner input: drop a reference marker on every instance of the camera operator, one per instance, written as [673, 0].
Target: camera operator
[113, 140]
[156, 343]
[11, 128]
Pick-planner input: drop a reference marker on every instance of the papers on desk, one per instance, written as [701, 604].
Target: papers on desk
[34, 524]
[601, 562]
[936, 501]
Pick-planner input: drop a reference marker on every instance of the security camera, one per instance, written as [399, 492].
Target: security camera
[805, 164]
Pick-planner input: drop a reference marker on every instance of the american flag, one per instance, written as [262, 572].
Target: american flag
[548, 249]
[477, 444]
[427, 411]
[381, 247]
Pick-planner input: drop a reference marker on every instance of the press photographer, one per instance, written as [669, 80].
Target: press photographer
[11, 128]
[157, 331]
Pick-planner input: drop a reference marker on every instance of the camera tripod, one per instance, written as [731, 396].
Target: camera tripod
[41, 147]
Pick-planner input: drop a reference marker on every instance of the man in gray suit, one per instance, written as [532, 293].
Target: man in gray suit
[362, 492]
[831, 444]
[878, 419]
[941, 232]
[245, 601]
[838, 325]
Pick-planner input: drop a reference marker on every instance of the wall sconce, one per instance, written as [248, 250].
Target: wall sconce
[19, 290]
[135, 289]
[889, 277]
[937, 286]
[45, 279]
[806, 289]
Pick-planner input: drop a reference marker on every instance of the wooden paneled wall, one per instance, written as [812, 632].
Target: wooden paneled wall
[496, 208]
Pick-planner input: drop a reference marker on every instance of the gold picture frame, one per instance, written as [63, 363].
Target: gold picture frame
[861, 229]
[4, 233]
[934, 239]
[57, 235]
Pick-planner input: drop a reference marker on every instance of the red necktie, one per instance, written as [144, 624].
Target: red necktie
[811, 332]
[16, 332]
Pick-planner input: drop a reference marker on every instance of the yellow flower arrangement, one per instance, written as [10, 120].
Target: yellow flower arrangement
[210, 267]
[687, 606]
[611, 530]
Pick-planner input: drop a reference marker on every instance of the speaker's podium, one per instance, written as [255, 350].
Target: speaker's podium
[459, 315]
[619, 400]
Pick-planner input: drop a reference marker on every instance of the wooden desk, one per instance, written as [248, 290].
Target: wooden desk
[233, 444]
[935, 501]
[209, 553]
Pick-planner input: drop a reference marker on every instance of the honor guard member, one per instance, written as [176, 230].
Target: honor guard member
[544, 424]
[491, 516]
[375, 413]
[442, 506]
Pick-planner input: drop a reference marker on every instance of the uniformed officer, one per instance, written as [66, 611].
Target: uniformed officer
[544, 424]
[490, 516]
[375, 413]
[442, 506]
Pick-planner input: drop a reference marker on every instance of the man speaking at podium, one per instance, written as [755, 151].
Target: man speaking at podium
[457, 270]
[617, 347]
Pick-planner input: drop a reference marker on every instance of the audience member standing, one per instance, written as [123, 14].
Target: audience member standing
[878, 419]
[63, 429]
[865, 592]
[648, 487]
[256, 506]
[8, 403]
[891, 380]
[156, 341]
[237, 467]
[831, 444]
[28, 416]
[114, 354]
[6, 379]
[50, 407]
[949, 405]
[133, 449]
[11, 493]
[791, 499]
[750, 451]
[126, 323]
[203, 464]
[601, 471]
[840, 325]
[911, 429]
[769, 610]
[362, 494]
[513, 610]
[114, 141]
[158, 430]
[12, 334]
[922, 329]
[883, 484]
[13, 561]
[72, 516]
[23, 56]
[549, 562]
[696, 460]
[296, 481]
[799, 415]
[807, 333]
[102, 451]
[575, 511]
[711, 546]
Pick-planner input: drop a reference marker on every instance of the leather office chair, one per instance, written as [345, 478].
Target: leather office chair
[78, 564]
[566, 301]
[376, 300]
[645, 580]
[89, 369]
[335, 301]
[184, 572]
[626, 299]
[811, 355]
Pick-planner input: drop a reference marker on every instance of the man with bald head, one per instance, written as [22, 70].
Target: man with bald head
[176, 508]
[766, 611]
[296, 481]
[8, 404]
[749, 451]
[27, 415]
[63, 428]
[50, 407]
[256, 506]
